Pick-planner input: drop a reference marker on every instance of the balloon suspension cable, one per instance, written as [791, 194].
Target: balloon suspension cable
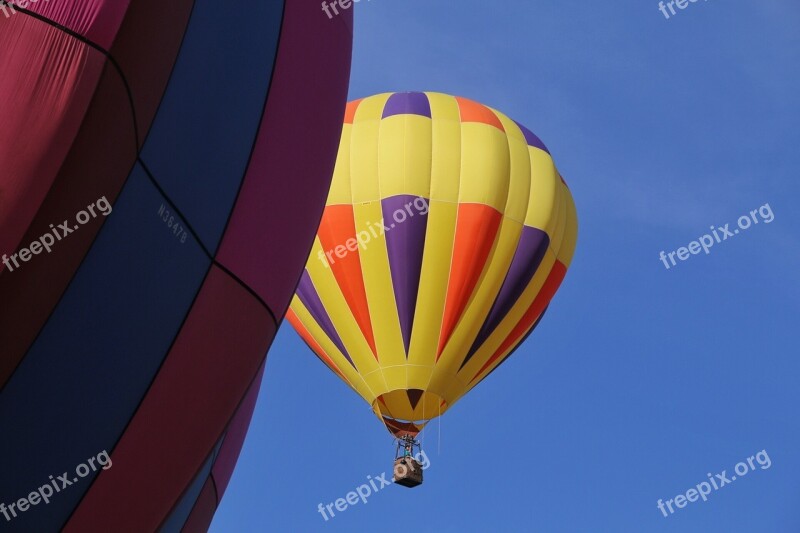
[407, 468]
[406, 446]
[424, 419]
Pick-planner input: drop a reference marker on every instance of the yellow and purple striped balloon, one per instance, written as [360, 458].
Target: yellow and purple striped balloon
[446, 233]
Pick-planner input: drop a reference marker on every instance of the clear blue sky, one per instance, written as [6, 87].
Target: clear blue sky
[640, 380]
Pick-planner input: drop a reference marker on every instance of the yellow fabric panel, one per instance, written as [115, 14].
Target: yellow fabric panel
[340, 192]
[544, 189]
[364, 150]
[378, 286]
[485, 164]
[450, 163]
[482, 299]
[396, 376]
[446, 147]
[559, 223]
[418, 375]
[336, 306]
[562, 244]
[566, 222]
[405, 156]
[396, 406]
[433, 281]
[400, 405]
[438, 383]
[510, 321]
[428, 407]
[354, 379]
[562, 248]
[376, 381]
[488, 370]
[570, 238]
[455, 388]
[519, 187]
[512, 130]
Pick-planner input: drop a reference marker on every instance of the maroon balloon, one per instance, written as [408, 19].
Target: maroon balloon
[163, 170]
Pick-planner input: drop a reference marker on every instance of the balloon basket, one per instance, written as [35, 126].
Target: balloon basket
[407, 472]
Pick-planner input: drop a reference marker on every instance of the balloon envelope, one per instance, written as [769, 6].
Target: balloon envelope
[446, 234]
[163, 168]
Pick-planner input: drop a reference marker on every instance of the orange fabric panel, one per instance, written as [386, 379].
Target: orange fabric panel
[313, 344]
[338, 226]
[476, 231]
[474, 112]
[350, 111]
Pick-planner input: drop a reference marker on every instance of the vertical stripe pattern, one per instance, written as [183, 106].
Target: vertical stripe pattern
[455, 226]
[210, 133]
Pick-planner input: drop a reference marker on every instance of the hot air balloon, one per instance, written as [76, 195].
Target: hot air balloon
[446, 233]
[163, 169]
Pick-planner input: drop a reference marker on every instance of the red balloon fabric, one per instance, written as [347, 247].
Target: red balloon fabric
[163, 170]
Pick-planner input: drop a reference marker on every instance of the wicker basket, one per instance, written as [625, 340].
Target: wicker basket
[407, 472]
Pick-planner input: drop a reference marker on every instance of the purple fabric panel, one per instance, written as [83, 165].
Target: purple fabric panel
[308, 295]
[531, 138]
[530, 251]
[520, 343]
[225, 462]
[280, 205]
[407, 104]
[405, 242]
[414, 396]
